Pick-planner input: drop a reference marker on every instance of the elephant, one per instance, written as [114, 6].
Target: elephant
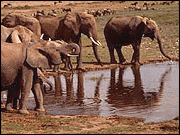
[18, 34]
[69, 29]
[21, 34]
[122, 31]
[19, 63]
[14, 19]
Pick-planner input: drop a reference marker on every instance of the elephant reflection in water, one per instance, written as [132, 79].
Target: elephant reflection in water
[71, 98]
[121, 96]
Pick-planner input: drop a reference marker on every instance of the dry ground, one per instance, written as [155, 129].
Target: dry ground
[34, 123]
[85, 124]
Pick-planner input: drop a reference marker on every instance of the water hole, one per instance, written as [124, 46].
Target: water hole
[150, 91]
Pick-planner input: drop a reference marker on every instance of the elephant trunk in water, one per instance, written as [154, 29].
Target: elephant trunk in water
[161, 48]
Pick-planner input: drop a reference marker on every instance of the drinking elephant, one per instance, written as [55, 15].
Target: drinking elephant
[14, 19]
[19, 64]
[21, 34]
[122, 31]
[69, 29]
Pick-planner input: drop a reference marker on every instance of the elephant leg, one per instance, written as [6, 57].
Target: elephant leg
[136, 54]
[111, 52]
[13, 94]
[79, 58]
[36, 89]
[66, 61]
[2, 98]
[27, 80]
[120, 55]
[43, 89]
[9, 100]
[16, 97]
[70, 66]
[56, 67]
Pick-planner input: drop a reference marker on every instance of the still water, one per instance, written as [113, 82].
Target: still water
[150, 92]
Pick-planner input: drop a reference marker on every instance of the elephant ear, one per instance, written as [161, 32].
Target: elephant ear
[35, 58]
[71, 22]
[145, 20]
[135, 21]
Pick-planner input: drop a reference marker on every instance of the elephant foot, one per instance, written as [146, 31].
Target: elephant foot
[3, 105]
[125, 63]
[66, 68]
[23, 111]
[82, 69]
[39, 109]
[136, 63]
[113, 62]
[100, 63]
[8, 107]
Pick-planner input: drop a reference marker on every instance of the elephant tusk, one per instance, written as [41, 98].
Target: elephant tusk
[42, 36]
[73, 55]
[99, 43]
[94, 41]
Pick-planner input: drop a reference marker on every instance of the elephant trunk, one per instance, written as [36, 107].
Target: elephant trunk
[161, 48]
[95, 42]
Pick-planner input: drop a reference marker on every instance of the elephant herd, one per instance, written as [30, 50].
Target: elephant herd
[26, 47]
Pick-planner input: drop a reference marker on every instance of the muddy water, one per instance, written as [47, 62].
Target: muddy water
[150, 92]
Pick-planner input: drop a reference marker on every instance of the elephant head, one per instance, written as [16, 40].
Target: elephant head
[68, 49]
[52, 50]
[23, 34]
[18, 34]
[83, 23]
[89, 27]
[13, 19]
[151, 30]
[43, 55]
[5, 33]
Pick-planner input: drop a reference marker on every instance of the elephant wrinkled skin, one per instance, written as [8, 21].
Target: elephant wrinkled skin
[13, 19]
[121, 31]
[69, 29]
[18, 34]
[19, 64]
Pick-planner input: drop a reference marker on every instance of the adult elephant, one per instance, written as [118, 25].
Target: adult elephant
[19, 64]
[14, 19]
[21, 34]
[121, 31]
[69, 29]
[18, 34]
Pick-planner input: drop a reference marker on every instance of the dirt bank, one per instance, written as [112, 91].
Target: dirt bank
[34, 124]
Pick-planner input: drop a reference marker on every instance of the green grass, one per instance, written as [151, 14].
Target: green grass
[168, 21]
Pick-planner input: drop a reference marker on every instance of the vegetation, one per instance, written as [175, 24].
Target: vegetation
[82, 124]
